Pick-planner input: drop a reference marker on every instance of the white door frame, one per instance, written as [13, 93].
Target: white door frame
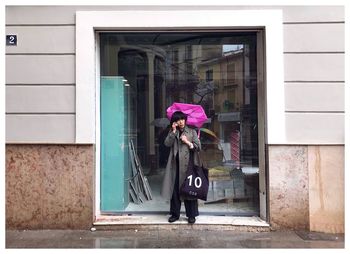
[87, 64]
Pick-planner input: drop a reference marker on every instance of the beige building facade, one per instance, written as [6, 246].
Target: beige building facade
[52, 112]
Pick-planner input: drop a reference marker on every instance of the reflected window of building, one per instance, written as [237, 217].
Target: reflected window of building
[209, 75]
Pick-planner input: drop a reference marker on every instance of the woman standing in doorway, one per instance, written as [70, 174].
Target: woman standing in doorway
[182, 140]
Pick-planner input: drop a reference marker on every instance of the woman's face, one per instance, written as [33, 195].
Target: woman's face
[181, 123]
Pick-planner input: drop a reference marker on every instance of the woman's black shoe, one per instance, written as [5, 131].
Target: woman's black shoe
[173, 218]
[191, 220]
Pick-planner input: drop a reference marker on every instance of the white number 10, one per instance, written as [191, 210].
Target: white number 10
[197, 181]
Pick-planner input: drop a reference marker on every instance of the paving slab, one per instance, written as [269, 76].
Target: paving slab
[173, 238]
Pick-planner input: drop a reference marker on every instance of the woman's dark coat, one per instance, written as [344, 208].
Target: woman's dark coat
[177, 146]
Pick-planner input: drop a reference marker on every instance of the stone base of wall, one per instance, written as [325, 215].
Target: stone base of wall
[49, 186]
[289, 193]
[326, 188]
[306, 187]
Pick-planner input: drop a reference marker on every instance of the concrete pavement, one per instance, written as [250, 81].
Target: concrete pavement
[172, 237]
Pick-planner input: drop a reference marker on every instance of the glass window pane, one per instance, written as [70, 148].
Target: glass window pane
[217, 70]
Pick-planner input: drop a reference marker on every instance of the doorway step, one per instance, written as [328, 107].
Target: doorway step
[160, 221]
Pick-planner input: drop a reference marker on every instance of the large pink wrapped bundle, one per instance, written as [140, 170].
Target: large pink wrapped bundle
[195, 113]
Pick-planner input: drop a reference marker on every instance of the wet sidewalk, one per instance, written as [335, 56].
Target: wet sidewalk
[190, 237]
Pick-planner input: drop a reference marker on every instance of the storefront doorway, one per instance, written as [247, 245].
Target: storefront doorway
[142, 73]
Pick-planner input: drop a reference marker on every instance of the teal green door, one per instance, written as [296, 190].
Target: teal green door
[114, 144]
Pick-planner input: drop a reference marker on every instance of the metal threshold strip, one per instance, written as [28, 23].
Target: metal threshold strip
[160, 219]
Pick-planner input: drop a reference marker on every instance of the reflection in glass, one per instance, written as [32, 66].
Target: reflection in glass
[215, 70]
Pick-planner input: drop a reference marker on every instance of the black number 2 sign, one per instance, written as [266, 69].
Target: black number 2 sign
[11, 40]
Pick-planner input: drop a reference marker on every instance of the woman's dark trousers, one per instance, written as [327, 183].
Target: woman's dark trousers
[191, 206]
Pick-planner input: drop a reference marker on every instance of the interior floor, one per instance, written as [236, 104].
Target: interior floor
[247, 206]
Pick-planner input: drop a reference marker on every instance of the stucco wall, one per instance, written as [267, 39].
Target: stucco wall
[49, 186]
[313, 46]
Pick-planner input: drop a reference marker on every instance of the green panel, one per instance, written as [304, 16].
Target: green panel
[114, 144]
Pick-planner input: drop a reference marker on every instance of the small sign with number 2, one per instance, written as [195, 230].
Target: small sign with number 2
[11, 40]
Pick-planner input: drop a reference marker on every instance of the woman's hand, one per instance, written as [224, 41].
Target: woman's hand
[185, 140]
[173, 126]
